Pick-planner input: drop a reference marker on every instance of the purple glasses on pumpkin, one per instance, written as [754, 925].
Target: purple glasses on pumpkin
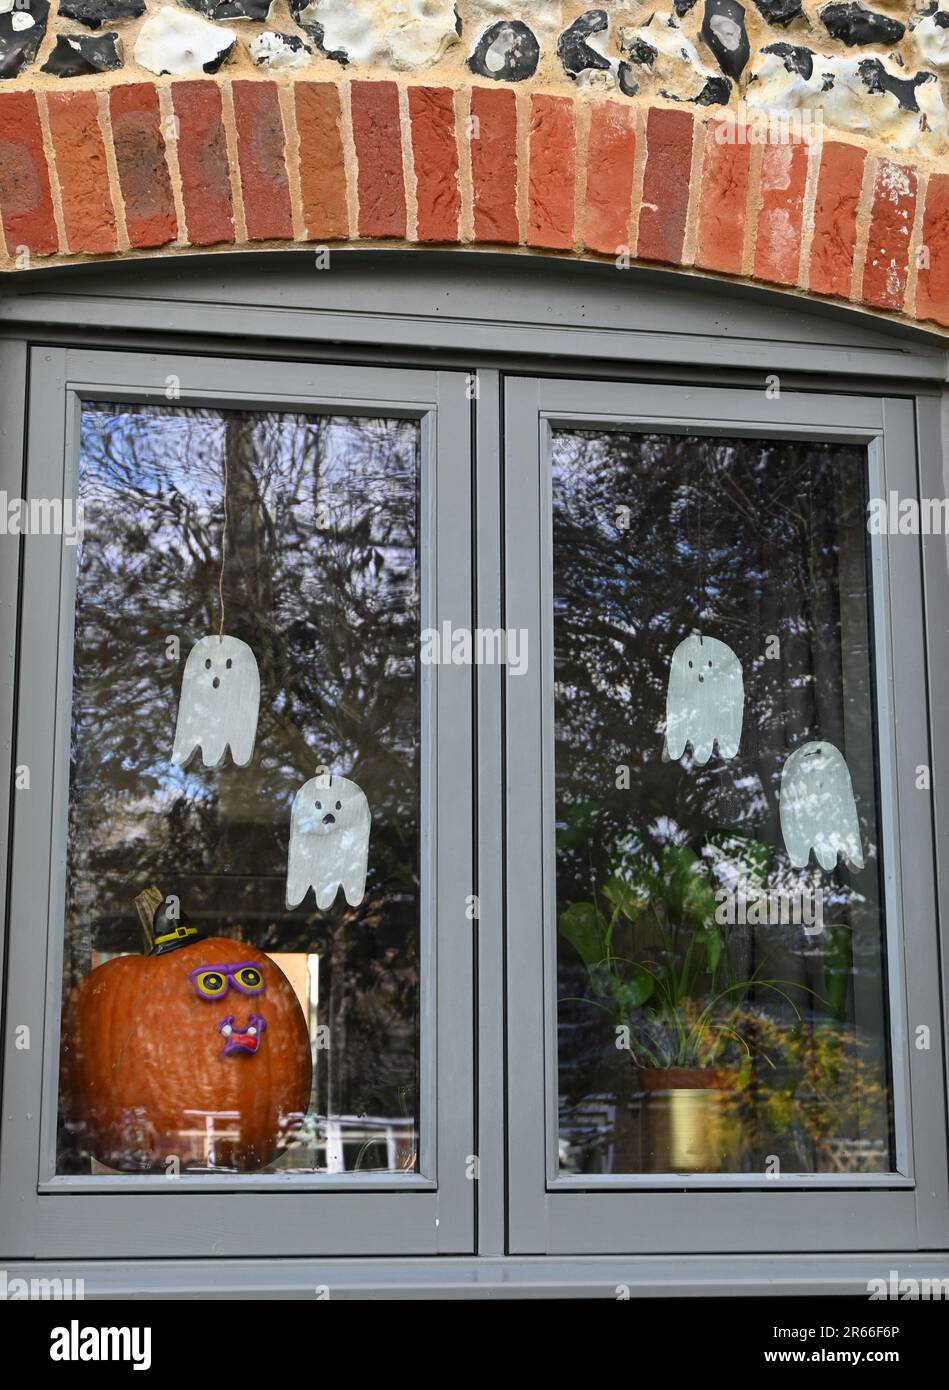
[213, 981]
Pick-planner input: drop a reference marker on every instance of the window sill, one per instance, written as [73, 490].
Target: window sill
[614, 1277]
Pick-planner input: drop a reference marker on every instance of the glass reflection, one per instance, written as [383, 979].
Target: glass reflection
[319, 578]
[722, 1006]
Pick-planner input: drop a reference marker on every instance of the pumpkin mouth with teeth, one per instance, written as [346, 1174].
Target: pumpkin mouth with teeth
[241, 1041]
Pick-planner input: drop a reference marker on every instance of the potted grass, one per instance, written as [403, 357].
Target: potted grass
[659, 964]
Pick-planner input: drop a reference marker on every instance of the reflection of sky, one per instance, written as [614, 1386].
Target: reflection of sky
[124, 456]
[152, 481]
[718, 528]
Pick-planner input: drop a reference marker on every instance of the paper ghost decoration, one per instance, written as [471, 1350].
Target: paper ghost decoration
[329, 842]
[817, 808]
[220, 701]
[705, 701]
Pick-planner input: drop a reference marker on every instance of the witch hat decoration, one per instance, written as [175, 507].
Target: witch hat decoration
[169, 930]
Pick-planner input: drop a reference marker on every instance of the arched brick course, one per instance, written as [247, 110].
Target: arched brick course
[174, 165]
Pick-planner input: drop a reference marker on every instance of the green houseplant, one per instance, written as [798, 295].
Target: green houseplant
[659, 964]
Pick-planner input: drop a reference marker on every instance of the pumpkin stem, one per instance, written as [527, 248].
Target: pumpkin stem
[148, 902]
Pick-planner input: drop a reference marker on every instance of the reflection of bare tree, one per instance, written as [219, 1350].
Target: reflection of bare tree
[320, 579]
[737, 540]
[743, 540]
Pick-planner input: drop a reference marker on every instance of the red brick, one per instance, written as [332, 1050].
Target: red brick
[435, 155]
[611, 151]
[202, 159]
[781, 215]
[835, 218]
[891, 226]
[262, 160]
[494, 165]
[88, 214]
[723, 197]
[150, 218]
[26, 204]
[553, 160]
[378, 135]
[322, 165]
[666, 177]
[932, 285]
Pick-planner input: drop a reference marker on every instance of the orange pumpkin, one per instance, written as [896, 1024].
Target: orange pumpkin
[201, 1054]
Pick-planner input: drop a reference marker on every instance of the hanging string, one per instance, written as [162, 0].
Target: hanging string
[701, 564]
[220, 582]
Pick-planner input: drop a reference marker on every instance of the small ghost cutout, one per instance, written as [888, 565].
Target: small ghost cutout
[817, 808]
[219, 704]
[705, 700]
[329, 842]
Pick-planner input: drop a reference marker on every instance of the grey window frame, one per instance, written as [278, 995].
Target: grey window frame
[430, 1211]
[575, 1214]
[440, 310]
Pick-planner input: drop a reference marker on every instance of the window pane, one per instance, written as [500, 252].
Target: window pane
[295, 536]
[722, 1002]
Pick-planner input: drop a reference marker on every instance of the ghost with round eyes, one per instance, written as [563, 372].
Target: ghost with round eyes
[329, 842]
[219, 704]
[817, 808]
[705, 700]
